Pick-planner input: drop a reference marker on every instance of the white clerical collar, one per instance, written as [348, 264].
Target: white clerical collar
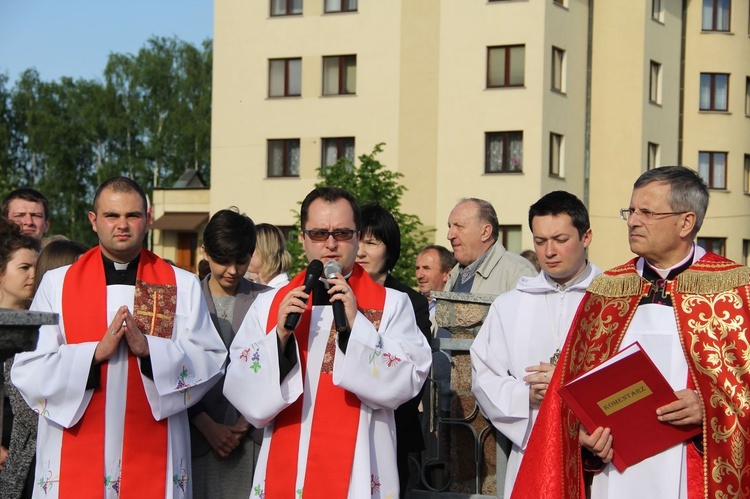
[696, 253]
[121, 266]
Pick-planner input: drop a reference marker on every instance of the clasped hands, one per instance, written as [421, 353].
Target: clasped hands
[538, 381]
[122, 326]
[686, 410]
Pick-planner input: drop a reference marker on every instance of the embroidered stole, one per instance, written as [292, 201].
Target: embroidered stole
[143, 466]
[335, 415]
[712, 318]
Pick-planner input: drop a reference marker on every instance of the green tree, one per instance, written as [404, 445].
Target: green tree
[372, 182]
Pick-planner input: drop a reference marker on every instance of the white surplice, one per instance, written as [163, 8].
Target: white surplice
[383, 368]
[52, 380]
[665, 474]
[524, 326]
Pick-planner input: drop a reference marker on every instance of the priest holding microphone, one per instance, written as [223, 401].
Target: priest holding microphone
[322, 384]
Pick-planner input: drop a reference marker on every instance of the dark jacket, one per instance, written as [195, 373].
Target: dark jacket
[408, 429]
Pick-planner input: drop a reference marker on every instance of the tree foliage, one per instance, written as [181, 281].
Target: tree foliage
[149, 119]
[372, 182]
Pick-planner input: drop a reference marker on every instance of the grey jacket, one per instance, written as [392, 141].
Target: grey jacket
[213, 402]
[498, 273]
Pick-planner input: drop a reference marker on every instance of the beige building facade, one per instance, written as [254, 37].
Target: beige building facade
[501, 100]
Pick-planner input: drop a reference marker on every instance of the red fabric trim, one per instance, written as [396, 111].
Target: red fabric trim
[144, 468]
[335, 415]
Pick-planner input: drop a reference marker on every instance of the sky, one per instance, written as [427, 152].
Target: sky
[75, 37]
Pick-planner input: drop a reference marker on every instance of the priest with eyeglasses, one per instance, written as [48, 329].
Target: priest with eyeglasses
[322, 363]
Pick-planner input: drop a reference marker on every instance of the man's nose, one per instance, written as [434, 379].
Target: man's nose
[28, 219]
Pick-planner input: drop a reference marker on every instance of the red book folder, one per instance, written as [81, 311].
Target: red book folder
[622, 394]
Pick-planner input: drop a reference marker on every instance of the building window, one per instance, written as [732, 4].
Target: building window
[657, 11]
[286, 7]
[713, 244]
[561, 3]
[336, 148]
[747, 96]
[714, 91]
[283, 158]
[558, 69]
[746, 183]
[653, 156]
[503, 152]
[556, 154]
[746, 252]
[716, 15]
[654, 87]
[510, 236]
[505, 66]
[340, 75]
[285, 77]
[712, 167]
[340, 6]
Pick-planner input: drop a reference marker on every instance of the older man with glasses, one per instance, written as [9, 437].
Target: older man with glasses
[689, 311]
[324, 394]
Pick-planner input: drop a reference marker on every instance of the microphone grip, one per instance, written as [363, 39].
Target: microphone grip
[291, 321]
[339, 317]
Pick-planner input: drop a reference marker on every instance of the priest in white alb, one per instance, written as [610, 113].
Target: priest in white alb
[134, 348]
[515, 352]
[325, 395]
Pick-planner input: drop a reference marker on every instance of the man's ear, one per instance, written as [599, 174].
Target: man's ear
[92, 219]
[688, 224]
[486, 232]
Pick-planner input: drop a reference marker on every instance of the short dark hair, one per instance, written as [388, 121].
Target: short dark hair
[687, 190]
[12, 240]
[229, 235]
[486, 214]
[447, 260]
[27, 194]
[330, 195]
[55, 254]
[559, 202]
[380, 223]
[120, 184]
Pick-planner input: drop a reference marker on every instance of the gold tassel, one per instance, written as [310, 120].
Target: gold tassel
[617, 286]
[712, 282]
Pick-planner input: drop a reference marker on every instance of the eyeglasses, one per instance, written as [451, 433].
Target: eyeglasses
[645, 216]
[323, 235]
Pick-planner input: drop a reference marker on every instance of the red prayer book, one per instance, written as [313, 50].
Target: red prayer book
[622, 394]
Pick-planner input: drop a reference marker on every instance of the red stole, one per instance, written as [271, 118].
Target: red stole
[335, 413]
[143, 468]
[711, 302]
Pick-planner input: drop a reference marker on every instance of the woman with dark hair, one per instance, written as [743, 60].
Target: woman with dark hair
[223, 450]
[379, 250]
[18, 256]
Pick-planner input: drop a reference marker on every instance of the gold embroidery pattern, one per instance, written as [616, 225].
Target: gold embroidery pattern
[154, 308]
[598, 335]
[720, 351]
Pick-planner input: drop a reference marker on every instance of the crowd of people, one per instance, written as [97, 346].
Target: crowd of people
[252, 383]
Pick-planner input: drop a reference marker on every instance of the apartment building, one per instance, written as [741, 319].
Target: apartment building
[504, 100]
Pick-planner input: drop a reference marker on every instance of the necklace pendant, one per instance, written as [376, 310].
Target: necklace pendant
[555, 357]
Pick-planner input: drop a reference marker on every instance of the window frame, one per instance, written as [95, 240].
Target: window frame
[287, 9]
[506, 138]
[503, 233]
[746, 175]
[341, 9]
[286, 165]
[507, 72]
[747, 96]
[657, 11]
[711, 165]
[556, 151]
[655, 82]
[341, 145]
[653, 155]
[342, 79]
[559, 71]
[712, 97]
[708, 243]
[714, 17]
[286, 61]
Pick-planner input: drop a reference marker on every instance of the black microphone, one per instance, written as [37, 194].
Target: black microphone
[314, 270]
[339, 315]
